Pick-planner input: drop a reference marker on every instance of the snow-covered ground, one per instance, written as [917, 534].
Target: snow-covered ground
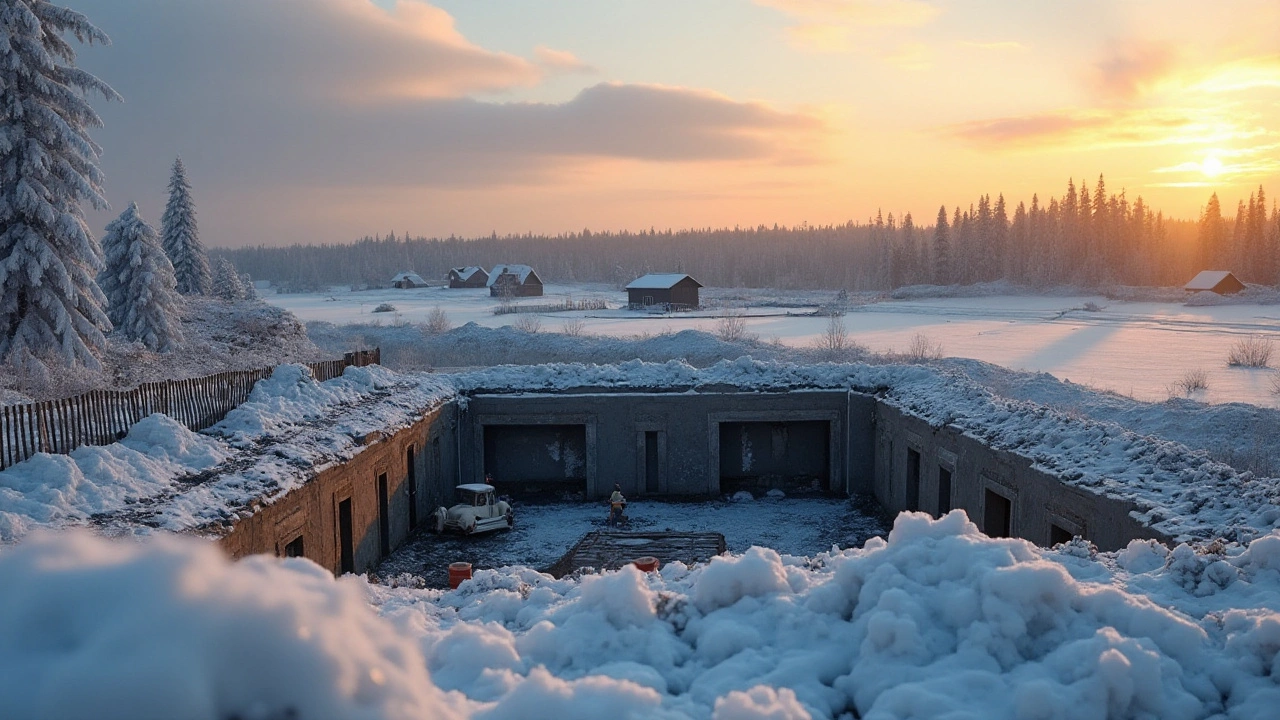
[1141, 349]
[935, 620]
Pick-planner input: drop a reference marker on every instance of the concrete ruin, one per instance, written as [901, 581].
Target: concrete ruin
[675, 442]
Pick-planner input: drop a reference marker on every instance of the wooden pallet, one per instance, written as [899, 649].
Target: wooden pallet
[610, 550]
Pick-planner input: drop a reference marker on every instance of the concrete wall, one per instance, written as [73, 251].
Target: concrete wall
[687, 429]
[311, 511]
[979, 474]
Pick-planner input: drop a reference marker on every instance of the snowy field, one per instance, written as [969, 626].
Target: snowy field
[1140, 349]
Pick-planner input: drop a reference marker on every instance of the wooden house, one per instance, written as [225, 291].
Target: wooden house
[676, 291]
[407, 280]
[1218, 281]
[514, 281]
[468, 277]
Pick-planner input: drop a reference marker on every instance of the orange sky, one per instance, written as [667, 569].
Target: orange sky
[464, 117]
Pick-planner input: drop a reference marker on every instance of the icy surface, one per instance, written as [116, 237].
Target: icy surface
[936, 620]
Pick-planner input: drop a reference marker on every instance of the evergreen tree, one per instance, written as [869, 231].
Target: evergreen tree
[226, 282]
[50, 307]
[182, 237]
[1213, 235]
[941, 249]
[139, 283]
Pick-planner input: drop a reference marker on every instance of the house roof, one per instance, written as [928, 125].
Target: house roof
[415, 277]
[659, 281]
[1207, 280]
[521, 271]
[475, 487]
[466, 272]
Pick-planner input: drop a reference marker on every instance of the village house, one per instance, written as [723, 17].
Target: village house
[514, 281]
[468, 277]
[676, 291]
[1218, 281]
[408, 280]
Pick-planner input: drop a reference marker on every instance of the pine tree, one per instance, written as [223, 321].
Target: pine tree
[139, 283]
[182, 236]
[226, 282]
[941, 249]
[1213, 234]
[50, 306]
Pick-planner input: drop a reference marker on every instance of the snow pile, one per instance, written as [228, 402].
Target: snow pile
[171, 628]
[69, 489]
[936, 620]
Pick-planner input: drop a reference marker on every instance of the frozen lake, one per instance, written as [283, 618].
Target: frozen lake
[1140, 349]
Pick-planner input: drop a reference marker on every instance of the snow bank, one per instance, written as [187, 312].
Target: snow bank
[934, 620]
[49, 490]
[90, 628]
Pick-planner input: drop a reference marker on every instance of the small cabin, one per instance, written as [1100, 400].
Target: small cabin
[675, 291]
[408, 280]
[1217, 281]
[514, 281]
[468, 277]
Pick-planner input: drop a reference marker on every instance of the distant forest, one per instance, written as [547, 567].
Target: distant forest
[1089, 238]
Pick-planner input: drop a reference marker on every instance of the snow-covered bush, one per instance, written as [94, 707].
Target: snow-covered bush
[142, 298]
[574, 327]
[731, 325]
[437, 322]
[922, 349]
[1192, 381]
[181, 237]
[1254, 351]
[51, 310]
[527, 322]
[384, 308]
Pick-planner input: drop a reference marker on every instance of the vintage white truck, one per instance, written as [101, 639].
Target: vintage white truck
[477, 511]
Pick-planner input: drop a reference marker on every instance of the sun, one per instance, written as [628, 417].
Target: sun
[1212, 166]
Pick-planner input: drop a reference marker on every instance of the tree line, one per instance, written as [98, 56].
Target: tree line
[1086, 237]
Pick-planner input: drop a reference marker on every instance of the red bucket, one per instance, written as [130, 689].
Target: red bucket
[458, 572]
[648, 563]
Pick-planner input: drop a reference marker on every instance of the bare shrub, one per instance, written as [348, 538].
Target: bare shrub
[385, 307]
[575, 327]
[731, 325]
[922, 349]
[1253, 351]
[1191, 381]
[527, 323]
[1092, 306]
[835, 339]
[437, 322]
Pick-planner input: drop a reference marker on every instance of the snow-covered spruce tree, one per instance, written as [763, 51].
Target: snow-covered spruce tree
[142, 299]
[226, 282]
[250, 292]
[51, 310]
[182, 237]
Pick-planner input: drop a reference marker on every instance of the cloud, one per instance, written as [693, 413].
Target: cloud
[560, 61]
[998, 46]
[312, 98]
[1130, 68]
[861, 13]
[1092, 129]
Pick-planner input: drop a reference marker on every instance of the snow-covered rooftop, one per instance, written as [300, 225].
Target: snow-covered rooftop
[522, 272]
[415, 277]
[465, 273]
[658, 281]
[1207, 279]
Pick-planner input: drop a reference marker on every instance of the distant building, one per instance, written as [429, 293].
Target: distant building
[1218, 281]
[514, 281]
[406, 280]
[468, 277]
[674, 290]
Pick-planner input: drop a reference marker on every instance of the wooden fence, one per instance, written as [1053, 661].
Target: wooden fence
[100, 417]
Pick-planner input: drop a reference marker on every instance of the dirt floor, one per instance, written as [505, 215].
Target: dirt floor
[546, 531]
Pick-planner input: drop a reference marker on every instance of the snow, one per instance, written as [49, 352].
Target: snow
[414, 277]
[1141, 348]
[521, 272]
[657, 281]
[933, 620]
[1207, 279]
[465, 273]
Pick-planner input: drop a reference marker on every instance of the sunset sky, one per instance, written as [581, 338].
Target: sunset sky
[326, 120]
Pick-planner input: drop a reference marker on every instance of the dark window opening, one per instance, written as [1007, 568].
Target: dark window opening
[384, 518]
[411, 477]
[996, 521]
[294, 548]
[537, 460]
[651, 462]
[913, 479]
[1059, 535]
[346, 547]
[944, 491]
[793, 456]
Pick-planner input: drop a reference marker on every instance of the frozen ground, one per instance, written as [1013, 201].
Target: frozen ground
[546, 531]
[1140, 349]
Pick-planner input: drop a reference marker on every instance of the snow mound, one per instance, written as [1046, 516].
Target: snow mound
[48, 490]
[170, 628]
